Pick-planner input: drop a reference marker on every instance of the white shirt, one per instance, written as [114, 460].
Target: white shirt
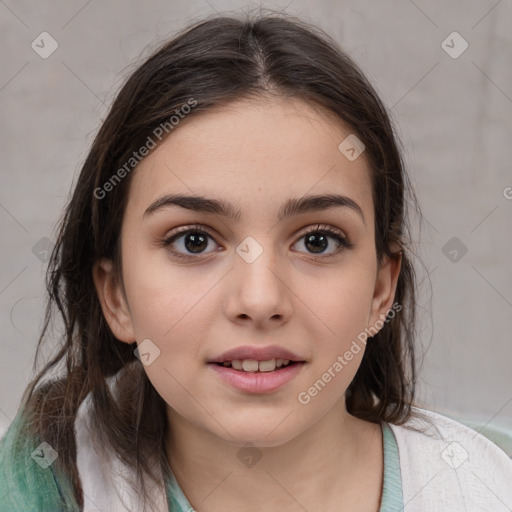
[445, 467]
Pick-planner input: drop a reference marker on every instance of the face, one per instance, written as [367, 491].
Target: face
[269, 276]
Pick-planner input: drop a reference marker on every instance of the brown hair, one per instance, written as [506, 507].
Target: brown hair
[216, 61]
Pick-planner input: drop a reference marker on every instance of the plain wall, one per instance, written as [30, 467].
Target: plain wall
[453, 116]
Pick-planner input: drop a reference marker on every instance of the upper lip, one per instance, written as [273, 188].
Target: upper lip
[257, 353]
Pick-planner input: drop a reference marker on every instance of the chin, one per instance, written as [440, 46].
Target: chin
[259, 439]
[262, 433]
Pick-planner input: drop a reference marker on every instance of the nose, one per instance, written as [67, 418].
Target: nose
[260, 289]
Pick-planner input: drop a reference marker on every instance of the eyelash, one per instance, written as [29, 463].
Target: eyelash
[324, 229]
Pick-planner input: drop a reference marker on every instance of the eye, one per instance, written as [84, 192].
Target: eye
[188, 241]
[316, 240]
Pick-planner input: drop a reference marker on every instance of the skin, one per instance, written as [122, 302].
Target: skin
[255, 154]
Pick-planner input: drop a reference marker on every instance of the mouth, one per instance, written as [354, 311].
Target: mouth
[259, 374]
[257, 369]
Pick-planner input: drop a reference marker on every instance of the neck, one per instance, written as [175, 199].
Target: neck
[335, 457]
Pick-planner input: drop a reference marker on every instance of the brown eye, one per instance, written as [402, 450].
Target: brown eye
[318, 241]
[188, 242]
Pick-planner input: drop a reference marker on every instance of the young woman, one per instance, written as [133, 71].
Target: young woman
[238, 299]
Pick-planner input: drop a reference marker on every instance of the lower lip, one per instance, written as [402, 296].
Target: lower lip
[257, 382]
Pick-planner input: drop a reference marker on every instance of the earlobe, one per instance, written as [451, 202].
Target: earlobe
[385, 287]
[112, 300]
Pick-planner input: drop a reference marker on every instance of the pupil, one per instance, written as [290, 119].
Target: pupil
[198, 241]
[322, 244]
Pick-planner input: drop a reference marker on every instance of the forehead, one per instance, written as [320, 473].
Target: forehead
[254, 153]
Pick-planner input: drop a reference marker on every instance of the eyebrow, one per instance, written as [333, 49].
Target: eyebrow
[292, 206]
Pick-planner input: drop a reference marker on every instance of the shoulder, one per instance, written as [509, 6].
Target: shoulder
[434, 431]
[443, 461]
[28, 478]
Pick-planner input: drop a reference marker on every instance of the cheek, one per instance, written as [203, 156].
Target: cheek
[342, 302]
[172, 307]
[163, 297]
[341, 307]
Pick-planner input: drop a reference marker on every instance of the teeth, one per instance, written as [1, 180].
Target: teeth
[267, 366]
[236, 365]
[251, 365]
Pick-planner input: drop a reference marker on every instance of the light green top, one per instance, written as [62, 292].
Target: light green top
[392, 498]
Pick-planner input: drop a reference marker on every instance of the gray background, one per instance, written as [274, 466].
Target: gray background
[452, 114]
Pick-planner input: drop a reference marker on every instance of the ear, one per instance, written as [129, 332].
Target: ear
[112, 300]
[385, 287]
